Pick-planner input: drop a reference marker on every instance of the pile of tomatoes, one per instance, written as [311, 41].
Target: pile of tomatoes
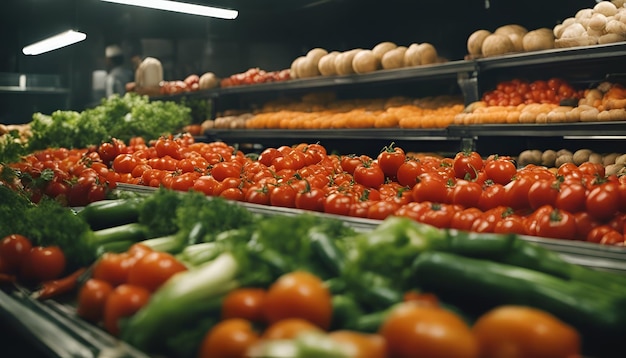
[465, 192]
[517, 91]
[255, 76]
[21, 261]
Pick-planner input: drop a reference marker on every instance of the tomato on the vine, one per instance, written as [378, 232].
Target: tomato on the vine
[467, 164]
[557, 224]
[369, 174]
[390, 159]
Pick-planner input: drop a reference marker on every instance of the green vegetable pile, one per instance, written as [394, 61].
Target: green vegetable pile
[116, 117]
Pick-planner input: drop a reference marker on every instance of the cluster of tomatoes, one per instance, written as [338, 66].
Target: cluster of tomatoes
[517, 91]
[299, 302]
[21, 261]
[465, 192]
[190, 84]
[122, 283]
[255, 76]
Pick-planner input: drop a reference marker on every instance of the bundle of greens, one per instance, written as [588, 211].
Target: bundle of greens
[116, 117]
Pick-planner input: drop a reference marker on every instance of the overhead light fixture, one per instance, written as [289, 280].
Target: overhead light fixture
[182, 7]
[54, 42]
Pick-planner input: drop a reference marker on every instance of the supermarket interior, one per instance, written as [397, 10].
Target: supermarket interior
[312, 178]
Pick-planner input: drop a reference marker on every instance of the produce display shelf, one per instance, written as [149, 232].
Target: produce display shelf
[422, 73]
[603, 257]
[453, 132]
[33, 90]
[554, 56]
[55, 330]
[604, 129]
[369, 133]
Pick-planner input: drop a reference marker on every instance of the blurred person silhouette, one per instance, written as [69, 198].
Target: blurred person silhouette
[118, 74]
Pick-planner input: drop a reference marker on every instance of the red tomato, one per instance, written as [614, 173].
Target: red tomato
[230, 338]
[92, 297]
[369, 175]
[311, 199]
[350, 162]
[390, 159]
[492, 196]
[299, 294]
[124, 301]
[466, 193]
[597, 233]
[338, 203]
[42, 264]
[430, 187]
[467, 164]
[408, 173]
[558, 224]
[245, 303]
[571, 197]
[516, 193]
[543, 192]
[438, 215]
[464, 219]
[125, 163]
[223, 170]
[525, 332]
[14, 249]
[602, 202]
[584, 224]
[413, 330]
[283, 195]
[381, 209]
[511, 224]
[113, 268]
[153, 269]
[289, 328]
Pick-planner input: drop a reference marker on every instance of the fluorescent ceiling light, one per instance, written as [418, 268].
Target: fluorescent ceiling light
[185, 8]
[54, 42]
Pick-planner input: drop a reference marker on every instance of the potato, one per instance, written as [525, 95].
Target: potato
[496, 44]
[530, 156]
[575, 30]
[511, 29]
[609, 158]
[208, 80]
[343, 62]
[365, 61]
[315, 54]
[382, 48]
[412, 56]
[326, 64]
[536, 40]
[582, 155]
[293, 71]
[605, 8]
[615, 27]
[595, 158]
[475, 42]
[597, 22]
[562, 159]
[394, 58]
[428, 53]
[613, 169]
[308, 67]
[621, 159]
[561, 152]
[548, 157]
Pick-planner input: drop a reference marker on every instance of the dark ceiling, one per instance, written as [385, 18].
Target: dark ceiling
[267, 34]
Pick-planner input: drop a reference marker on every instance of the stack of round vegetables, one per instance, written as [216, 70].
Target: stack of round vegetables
[468, 191]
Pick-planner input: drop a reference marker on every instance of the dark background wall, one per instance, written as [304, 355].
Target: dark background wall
[268, 34]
